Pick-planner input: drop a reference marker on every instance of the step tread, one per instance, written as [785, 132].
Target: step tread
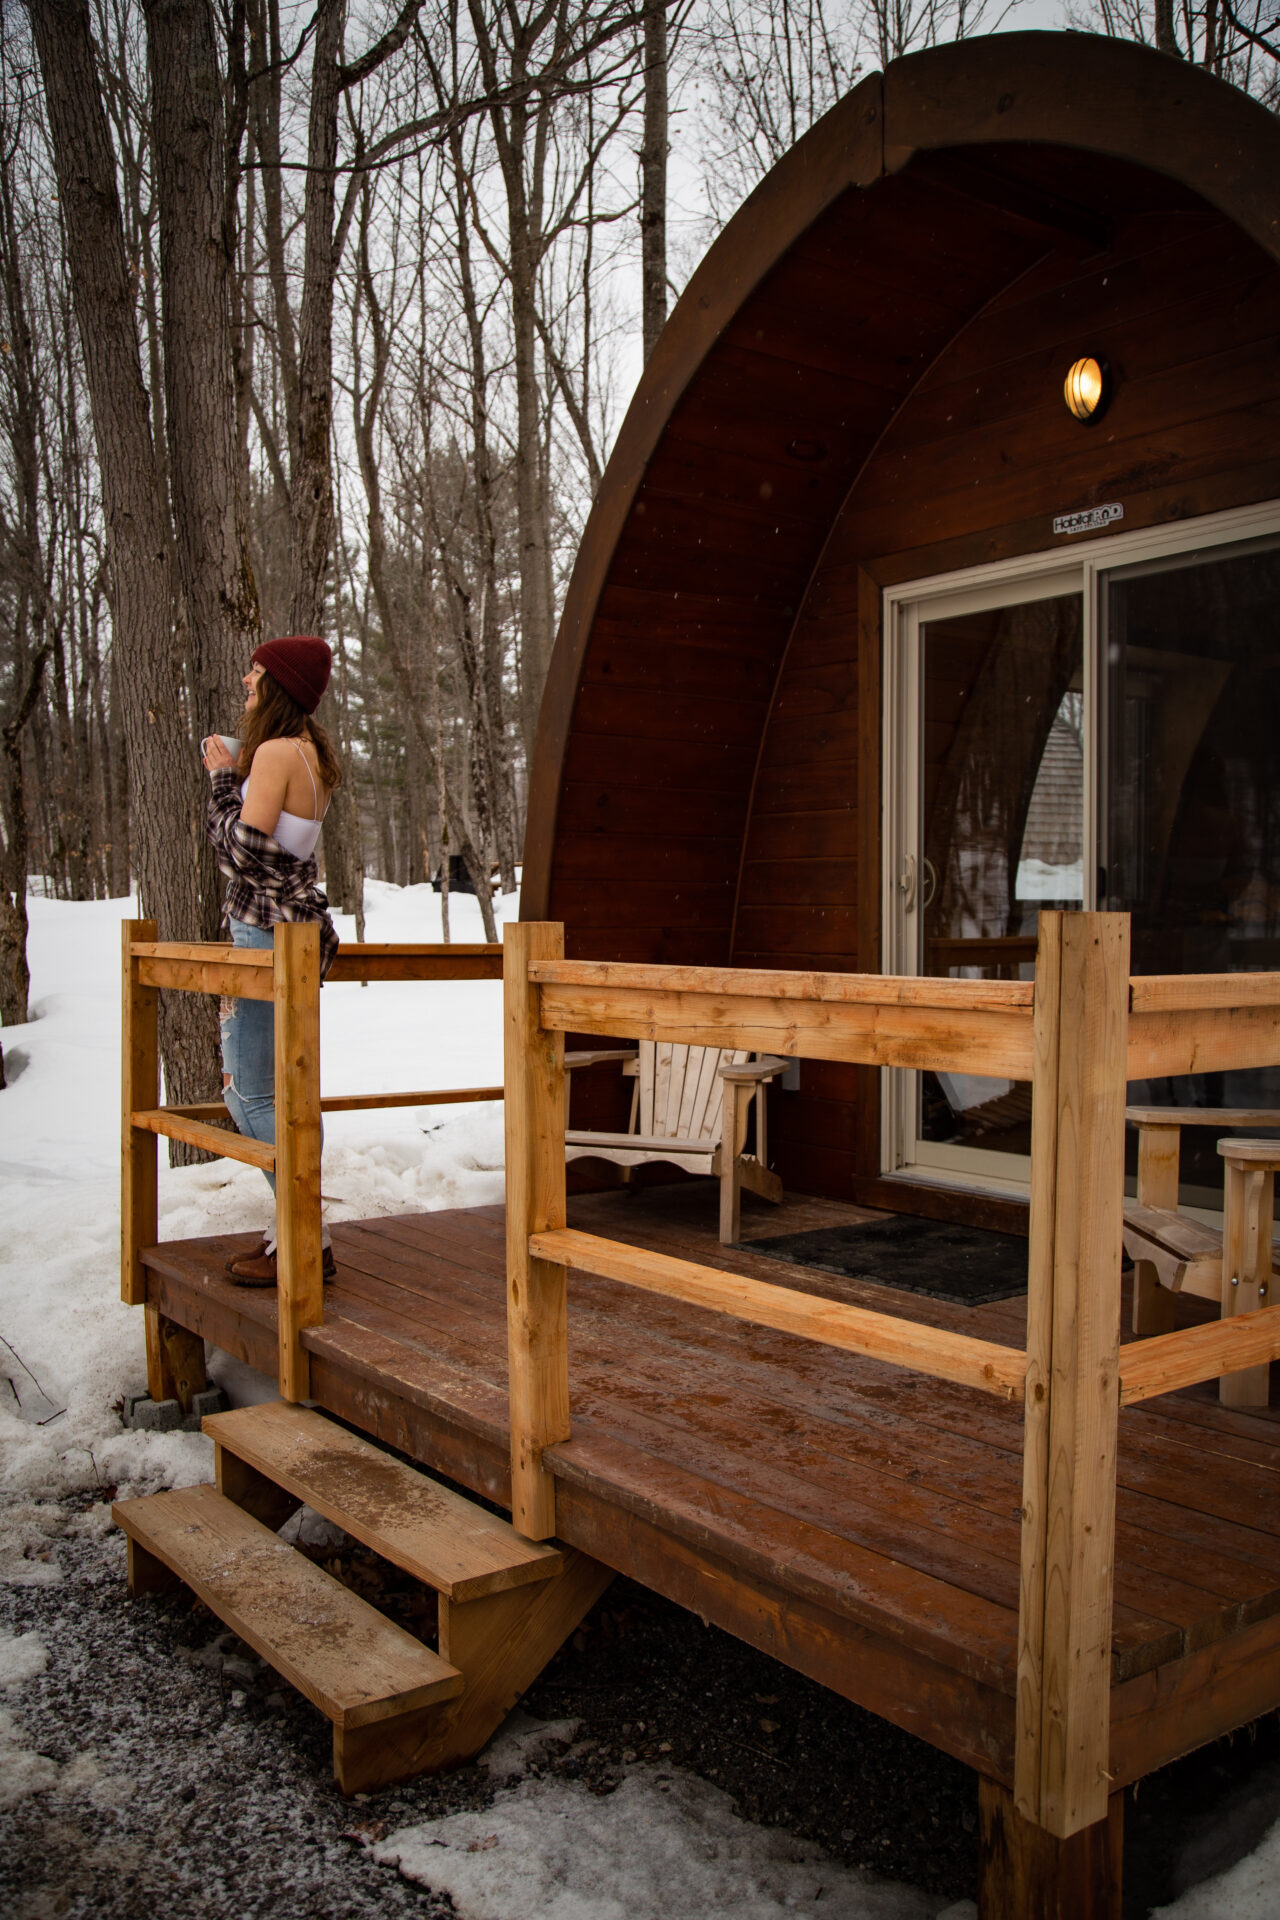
[350, 1660]
[436, 1535]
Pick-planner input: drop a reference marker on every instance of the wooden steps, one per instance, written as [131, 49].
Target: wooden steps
[505, 1604]
[439, 1537]
[350, 1660]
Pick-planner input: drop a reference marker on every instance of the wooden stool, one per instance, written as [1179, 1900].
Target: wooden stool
[1247, 1223]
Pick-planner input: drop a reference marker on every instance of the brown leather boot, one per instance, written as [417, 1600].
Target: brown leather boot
[257, 1268]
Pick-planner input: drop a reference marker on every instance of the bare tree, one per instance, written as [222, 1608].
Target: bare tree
[1240, 43]
[403, 639]
[530, 60]
[487, 158]
[768, 69]
[163, 768]
[311, 475]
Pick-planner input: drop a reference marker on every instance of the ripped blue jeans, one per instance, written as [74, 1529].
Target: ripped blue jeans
[249, 1061]
[249, 1053]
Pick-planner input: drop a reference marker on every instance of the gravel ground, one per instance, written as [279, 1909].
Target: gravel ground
[189, 1774]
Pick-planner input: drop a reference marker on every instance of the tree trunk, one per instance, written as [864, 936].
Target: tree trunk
[161, 753]
[487, 719]
[265, 103]
[653, 177]
[311, 479]
[15, 974]
[209, 515]
[219, 597]
[341, 828]
[31, 610]
[521, 143]
[531, 504]
[311, 475]
[1166, 30]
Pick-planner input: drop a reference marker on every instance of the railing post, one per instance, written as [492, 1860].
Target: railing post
[299, 1284]
[537, 1310]
[140, 1092]
[175, 1357]
[1072, 1395]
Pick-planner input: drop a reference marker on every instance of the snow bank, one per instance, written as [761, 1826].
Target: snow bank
[1248, 1891]
[661, 1843]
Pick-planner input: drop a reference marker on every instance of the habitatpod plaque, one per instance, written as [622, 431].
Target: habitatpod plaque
[1090, 520]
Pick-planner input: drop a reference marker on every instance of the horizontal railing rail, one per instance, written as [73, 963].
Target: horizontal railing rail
[880, 1336]
[173, 1124]
[287, 975]
[1078, 1032]
[1165, 1361]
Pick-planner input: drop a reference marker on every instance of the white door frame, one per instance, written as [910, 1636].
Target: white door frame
[1033, 576]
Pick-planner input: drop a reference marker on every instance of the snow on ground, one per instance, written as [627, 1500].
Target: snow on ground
[662, 1843]
[1247, 1891]
[545, 1846]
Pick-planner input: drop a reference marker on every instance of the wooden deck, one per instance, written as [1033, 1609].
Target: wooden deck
[857, 1521]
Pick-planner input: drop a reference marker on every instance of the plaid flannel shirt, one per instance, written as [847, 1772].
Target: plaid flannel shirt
[266, 883]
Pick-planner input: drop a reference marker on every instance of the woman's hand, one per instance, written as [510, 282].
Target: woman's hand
[216, 757]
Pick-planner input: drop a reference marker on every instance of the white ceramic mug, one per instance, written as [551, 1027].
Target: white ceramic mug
[229, 741]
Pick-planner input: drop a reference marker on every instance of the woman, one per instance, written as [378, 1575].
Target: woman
[265, 814]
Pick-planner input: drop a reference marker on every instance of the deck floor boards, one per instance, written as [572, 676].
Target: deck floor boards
[756, 1475]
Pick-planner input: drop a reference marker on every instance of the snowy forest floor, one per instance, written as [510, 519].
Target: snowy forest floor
[659, 1767]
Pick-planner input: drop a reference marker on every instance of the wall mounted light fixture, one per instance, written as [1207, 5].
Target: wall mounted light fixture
[1087, 389]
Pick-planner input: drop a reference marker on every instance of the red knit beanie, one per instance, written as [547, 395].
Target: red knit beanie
[302, 665]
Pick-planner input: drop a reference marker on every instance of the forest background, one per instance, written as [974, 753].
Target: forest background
[321, 318]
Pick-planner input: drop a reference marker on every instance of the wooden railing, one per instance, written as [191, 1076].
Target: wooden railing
[288, 975]
[1078, 1033]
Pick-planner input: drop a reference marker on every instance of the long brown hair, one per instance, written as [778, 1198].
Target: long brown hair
[276, 715]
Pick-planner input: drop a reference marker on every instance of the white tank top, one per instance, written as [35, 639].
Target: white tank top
[297, 835]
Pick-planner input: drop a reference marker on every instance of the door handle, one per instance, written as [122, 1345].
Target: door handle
[907, 882]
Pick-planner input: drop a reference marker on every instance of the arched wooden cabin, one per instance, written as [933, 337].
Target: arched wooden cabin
[872, 648]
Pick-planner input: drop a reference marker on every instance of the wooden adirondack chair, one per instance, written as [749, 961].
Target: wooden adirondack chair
[689, 1107]
[1173, 1253]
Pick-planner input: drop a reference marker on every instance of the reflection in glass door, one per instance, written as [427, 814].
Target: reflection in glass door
[1191, 841]
[1102, 733]
[998, 786]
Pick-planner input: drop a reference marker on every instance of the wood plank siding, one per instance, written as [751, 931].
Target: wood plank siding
[861, 386]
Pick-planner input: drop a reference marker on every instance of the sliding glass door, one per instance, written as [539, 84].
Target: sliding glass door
[1191, 778]
[992, 828]
[1079, 735]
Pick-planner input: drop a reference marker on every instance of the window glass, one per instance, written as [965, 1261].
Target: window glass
[1192, 794]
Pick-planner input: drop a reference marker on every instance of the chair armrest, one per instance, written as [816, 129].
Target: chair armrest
[572, 1060]
[1202, 1116]
[754, 1070]
[1252, 1153]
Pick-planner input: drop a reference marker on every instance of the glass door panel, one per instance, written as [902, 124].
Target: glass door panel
[1191, 813]
[1001, 833]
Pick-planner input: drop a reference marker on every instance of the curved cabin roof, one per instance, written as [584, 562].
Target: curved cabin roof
[863, 383]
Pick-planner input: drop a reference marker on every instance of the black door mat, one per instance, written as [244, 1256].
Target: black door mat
[968, 1265]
